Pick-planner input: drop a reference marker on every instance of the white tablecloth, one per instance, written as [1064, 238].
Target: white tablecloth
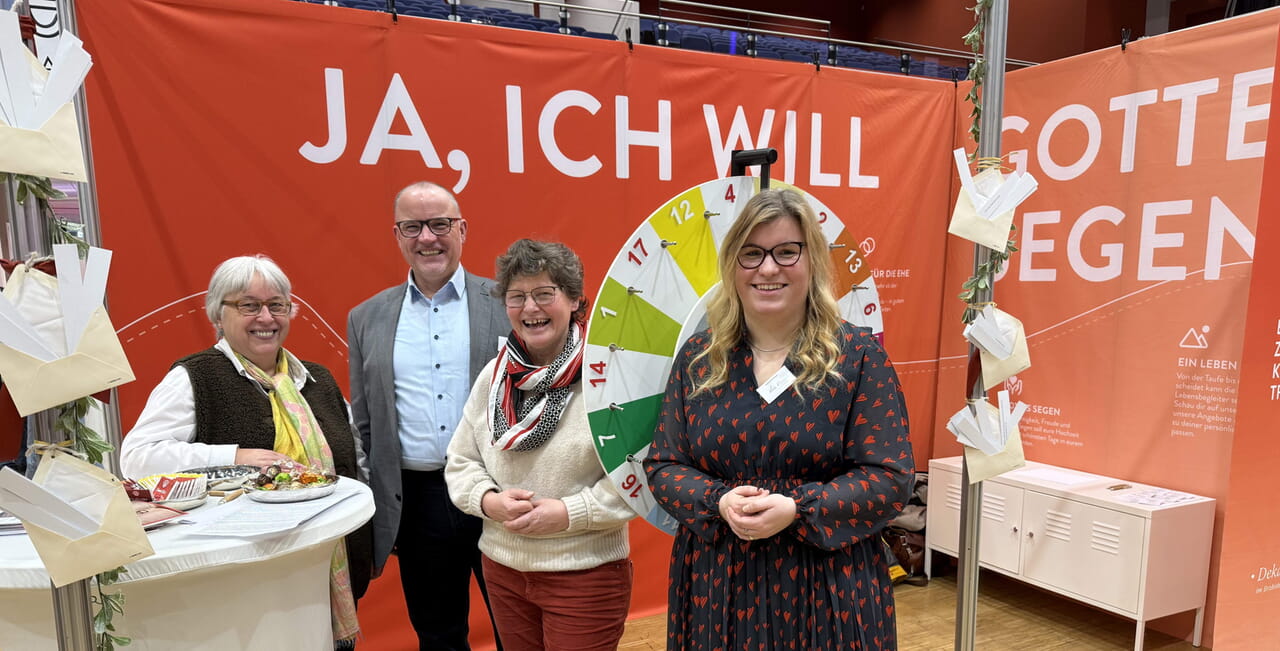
[203, 592]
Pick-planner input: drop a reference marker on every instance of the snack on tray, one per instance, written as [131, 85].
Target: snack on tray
[136, 492]
[172, 486]
[291, 475]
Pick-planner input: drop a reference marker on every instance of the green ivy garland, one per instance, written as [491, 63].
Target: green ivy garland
[109, 605]
[977, 72]
[42, 190]
[984, 276]
[69, 422]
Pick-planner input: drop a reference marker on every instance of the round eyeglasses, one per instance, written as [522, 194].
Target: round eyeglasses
[411, 228]
[254, 308]
[541, 295]
[785, 254]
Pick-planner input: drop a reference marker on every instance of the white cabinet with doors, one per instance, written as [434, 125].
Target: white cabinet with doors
[1135, 550]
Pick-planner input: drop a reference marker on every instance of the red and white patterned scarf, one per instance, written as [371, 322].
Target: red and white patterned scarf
[527, 400]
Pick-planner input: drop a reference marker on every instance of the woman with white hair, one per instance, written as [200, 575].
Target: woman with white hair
[248, 400]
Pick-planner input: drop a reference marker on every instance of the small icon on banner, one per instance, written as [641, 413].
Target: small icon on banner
[1014, 386]
[1194, 339]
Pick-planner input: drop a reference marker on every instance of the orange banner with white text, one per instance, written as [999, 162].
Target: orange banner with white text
[226, 127]
[1135, 258]
[1248, 595]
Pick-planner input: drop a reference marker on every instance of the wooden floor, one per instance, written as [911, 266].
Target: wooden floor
[1011, 617]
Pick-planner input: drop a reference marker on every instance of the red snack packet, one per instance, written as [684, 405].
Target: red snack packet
[162, 488]
[172, 488]
[136, 492]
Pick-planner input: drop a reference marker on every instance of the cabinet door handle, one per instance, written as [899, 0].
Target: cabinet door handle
[1015, 529]
[1031, 534]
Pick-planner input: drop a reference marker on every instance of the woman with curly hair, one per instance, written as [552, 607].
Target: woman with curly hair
[554, 544]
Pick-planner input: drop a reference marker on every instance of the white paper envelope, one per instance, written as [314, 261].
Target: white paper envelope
[996, 370]
[98, 363]
[966, 223]
[53, 151]
[119, 538]
[33, 318]
[984, 466]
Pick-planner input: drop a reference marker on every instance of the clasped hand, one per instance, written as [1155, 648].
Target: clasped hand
[753, 513]
[521, 512]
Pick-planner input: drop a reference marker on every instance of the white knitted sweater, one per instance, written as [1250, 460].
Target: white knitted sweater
[565, 467]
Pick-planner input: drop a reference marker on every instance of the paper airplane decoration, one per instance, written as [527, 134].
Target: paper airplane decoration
[1002, 344]
[993, 332]
[984, 208]
[985, 427]
[56, 342]
[77, 516]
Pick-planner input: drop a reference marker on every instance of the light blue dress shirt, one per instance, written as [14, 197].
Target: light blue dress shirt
[430, 360]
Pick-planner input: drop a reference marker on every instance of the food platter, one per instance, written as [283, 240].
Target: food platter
[291, 495]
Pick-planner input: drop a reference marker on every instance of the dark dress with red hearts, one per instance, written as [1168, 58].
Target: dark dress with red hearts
[841, 452]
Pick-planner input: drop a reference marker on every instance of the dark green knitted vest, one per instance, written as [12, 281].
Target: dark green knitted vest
[232, 410]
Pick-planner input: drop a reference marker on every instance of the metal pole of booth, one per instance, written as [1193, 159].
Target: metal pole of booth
[72, 609]
[73, 616]
[88, 198]
[971, 495]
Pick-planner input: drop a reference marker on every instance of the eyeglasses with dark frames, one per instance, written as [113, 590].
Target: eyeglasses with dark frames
[411, 228]
[254, 308]
[785, 254]
[541, 295]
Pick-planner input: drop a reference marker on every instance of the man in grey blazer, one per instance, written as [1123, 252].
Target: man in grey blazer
[415, 350]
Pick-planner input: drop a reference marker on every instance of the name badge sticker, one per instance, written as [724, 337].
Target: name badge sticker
[774, 386]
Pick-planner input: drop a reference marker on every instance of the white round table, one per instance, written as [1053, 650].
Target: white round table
[203, 592]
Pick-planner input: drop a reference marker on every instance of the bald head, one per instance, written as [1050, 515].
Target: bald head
[433, 256]
[426, 187]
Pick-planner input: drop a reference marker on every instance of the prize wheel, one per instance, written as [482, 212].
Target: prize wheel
[654, 298]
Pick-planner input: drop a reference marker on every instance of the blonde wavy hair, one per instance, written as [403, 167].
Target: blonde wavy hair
[817, 347]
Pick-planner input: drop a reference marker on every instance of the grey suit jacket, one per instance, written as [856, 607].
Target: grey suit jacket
[371, 334]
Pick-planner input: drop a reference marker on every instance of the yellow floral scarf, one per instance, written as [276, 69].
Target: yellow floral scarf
[298, 435]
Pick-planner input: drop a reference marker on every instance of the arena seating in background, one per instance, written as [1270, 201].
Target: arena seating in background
[769, 46]
[696, 41]
[689, 37]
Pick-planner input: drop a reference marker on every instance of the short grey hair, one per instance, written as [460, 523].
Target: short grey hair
[235, 275]
[528, 257]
